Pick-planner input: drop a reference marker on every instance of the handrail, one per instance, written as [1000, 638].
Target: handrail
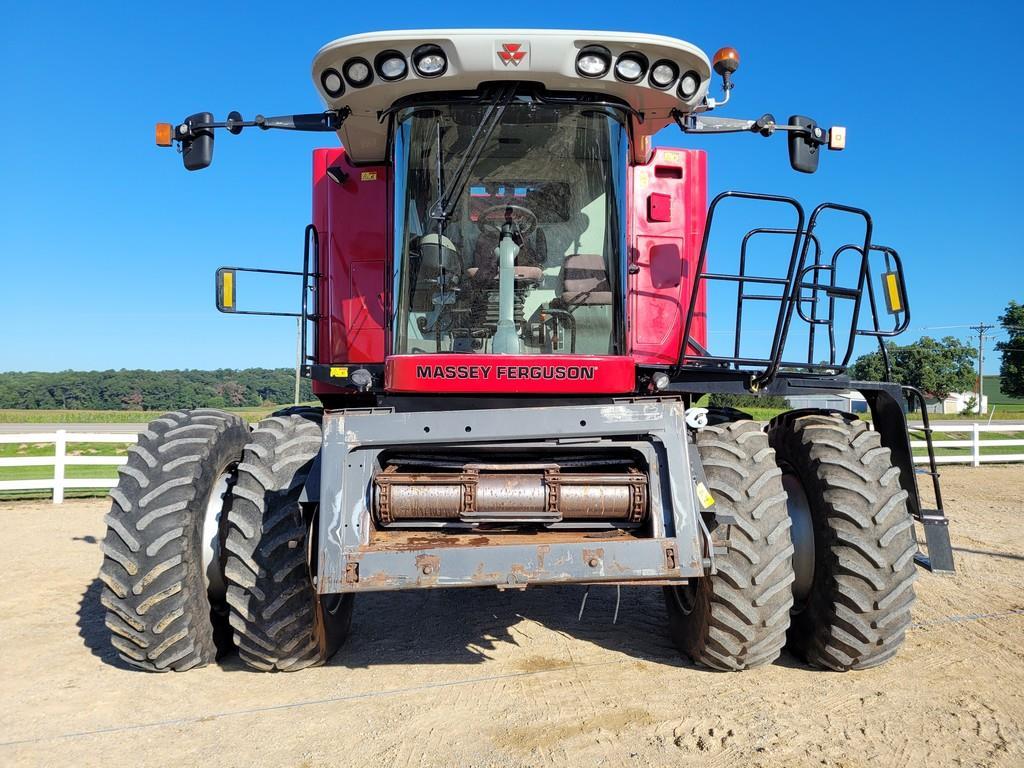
[773, 363]
[310, 235]
[803, 283]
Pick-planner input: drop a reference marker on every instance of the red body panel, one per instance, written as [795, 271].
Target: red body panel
[353, 223]
[667, 203]
[513, 374]
[668, 206]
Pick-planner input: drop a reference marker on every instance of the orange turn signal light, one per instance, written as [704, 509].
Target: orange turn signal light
[163, 134]
[726, 60]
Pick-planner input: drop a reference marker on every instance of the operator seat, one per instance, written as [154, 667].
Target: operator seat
[528, 260]
[585, 280]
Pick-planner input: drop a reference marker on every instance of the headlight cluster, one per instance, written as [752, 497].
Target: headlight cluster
[595, 61]
[592, 61]
[390, 66]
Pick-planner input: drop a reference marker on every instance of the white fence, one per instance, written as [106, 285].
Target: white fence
[60, 459]
[62, 438]
[975, 457]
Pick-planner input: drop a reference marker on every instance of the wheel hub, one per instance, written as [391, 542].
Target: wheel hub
[213, 571]
[802, 533]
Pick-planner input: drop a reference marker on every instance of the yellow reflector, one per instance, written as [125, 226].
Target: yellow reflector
[893, 294]
[163, 134]
[226, 289]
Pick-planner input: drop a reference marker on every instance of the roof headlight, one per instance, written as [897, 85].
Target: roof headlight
[631, 67]
[689, 83]
[332, 83]
[663, 74]
[357, 72]
[390, 66]
[593, 61]
[429, 61]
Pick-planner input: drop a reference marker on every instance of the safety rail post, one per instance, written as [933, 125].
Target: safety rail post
[60, 446]
[975, 445]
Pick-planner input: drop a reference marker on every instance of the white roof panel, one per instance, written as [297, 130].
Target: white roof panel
[476, 56]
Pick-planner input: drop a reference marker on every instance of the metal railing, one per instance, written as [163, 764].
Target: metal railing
[808, 290]
[60, 460]
[972, 446]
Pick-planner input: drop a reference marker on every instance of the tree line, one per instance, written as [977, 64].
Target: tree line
[150, 390]
[940, 366]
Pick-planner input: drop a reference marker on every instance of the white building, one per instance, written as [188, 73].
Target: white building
[957, 402]
[843, 400]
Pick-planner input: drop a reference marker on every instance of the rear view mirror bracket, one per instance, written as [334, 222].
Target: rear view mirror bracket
[805, 136]
[194, 134]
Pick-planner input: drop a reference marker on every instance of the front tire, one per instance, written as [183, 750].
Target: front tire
[856, 609]
[736, 618]
[159, 611]
[280, 622]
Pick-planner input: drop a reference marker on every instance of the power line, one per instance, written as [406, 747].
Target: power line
[981, 328]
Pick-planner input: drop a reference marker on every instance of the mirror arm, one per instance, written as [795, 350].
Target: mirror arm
[698, 124]
[834, 138]
[322, 121]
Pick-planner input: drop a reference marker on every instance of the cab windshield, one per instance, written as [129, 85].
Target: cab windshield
[521, 252]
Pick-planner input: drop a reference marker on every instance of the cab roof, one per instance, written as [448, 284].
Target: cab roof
[476, 56]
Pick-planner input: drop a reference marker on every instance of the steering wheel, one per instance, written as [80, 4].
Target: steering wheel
[491, 219]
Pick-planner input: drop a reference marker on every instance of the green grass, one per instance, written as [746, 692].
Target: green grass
[30, 416]
[997, 450]
[10, 450]
[990, 386]
[1002, 413]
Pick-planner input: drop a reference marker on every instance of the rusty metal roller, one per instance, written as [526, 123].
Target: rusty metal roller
[527, 493]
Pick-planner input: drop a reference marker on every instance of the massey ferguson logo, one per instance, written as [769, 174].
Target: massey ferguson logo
[493, 373]
[512, 53]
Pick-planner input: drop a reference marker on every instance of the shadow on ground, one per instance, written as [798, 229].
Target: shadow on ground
[92, 630]
[467, 626]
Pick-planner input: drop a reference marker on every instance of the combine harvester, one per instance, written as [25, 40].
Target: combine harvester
[506, 290]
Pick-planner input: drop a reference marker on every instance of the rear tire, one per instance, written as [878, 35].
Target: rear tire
[280, 623]
[857, 609]
[737, 618]
[158, 608]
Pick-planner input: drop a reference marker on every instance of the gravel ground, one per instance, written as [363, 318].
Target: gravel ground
[485, 678]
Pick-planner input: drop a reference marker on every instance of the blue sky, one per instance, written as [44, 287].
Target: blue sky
[108, 247]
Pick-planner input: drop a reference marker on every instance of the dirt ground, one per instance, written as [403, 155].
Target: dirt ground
[486, 678]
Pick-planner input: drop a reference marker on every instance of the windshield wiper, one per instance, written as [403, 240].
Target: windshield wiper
[441, 210]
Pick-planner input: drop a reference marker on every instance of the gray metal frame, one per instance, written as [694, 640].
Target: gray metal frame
[678, 546]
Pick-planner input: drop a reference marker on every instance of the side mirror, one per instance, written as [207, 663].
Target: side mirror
[804, 152]
[226, 289]
[197, 150]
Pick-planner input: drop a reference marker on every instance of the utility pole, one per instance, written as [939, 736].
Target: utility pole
[981, 328]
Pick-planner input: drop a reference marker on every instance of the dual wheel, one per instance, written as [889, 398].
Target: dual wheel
[814, 547]
[208, 547]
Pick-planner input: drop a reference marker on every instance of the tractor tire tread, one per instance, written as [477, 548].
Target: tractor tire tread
[740, 622]
[859, 608]
[154, 591]
[270, 594]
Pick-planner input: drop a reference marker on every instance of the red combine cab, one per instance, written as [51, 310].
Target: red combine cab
[504, 313]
